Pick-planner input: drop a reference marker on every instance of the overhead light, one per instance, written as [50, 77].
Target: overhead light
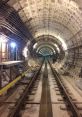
[25, 52]
[54, 51]
[57, 47]
[63, 42]
[34, 46]
[13, 45]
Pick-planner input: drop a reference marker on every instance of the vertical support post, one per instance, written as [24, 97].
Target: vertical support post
[1, 52]
[1, 76]
[10, 74]
[16, 53]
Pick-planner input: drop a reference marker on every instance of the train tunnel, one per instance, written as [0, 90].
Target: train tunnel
[46, 36]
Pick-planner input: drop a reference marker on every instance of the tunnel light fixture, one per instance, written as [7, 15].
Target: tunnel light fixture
[35, 45]
[54, 52]
[63, 42]
[57, 47]
[13, 45]
[25, 52]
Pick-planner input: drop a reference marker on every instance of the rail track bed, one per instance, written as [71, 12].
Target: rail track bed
[45, 105]
[46, 94]
[73, 107]
[11, 106]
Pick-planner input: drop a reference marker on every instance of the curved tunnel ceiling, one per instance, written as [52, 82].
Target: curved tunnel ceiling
[49, 39]
[60, 19]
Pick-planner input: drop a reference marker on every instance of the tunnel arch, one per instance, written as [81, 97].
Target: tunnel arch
[60, 19]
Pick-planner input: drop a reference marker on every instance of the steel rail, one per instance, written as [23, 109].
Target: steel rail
[15, 112]
[64, 91]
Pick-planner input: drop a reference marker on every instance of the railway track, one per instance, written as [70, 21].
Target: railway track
[40, 98]
[20, 103]
[65, 94]
[45, 104]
